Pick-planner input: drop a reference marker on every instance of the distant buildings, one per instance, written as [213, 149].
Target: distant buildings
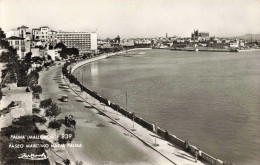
[44, 38]
[143, 43]
[196, 34]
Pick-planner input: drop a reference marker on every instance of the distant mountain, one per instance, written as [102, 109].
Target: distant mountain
[248, 37]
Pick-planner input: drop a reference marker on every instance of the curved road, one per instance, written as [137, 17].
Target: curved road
[101, 143]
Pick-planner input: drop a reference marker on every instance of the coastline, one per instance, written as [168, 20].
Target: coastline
[148, 126]
[78, 64]
[209, 50]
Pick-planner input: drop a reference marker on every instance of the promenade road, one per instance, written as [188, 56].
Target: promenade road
[101, 144]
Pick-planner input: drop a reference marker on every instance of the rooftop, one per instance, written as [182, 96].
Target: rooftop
[15, 38]
[44, 27]
[23, 27]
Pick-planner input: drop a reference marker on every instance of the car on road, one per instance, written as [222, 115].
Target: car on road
[65, 98]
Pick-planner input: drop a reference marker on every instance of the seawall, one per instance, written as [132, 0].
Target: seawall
[149, 126]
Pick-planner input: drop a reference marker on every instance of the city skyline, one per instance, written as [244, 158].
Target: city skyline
[135, 18]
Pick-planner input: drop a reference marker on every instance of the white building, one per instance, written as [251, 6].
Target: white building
[20, 40]
[54, 54]
[44, 34]
[20, 44]
[234, 44]
[84, 41]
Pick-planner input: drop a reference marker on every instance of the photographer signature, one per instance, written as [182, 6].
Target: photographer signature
[33, 156]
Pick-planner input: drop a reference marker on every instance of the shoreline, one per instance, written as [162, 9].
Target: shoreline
[149, 126]
[78, 64]
[209, 50]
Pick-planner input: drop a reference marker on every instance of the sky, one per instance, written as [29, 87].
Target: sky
[135, 18]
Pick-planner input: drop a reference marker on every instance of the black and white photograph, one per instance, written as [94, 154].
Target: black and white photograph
[129, 82]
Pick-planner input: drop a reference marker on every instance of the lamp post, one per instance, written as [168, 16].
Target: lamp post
[126, 102]
[104, 108]
[116, 114]
[82, 81]
[133, 129]
[156, 128]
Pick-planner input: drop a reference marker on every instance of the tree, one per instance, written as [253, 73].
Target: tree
[53, 110]
[72, 51]
[46, 103]
[3, 43]
[37, 89]
[9, 56]
[63, 55]
[36, 110]
[37, 60]
[33, 78]
[60, 45]
[54, 124]
[9, 76]
[2, 34]
[28, 57]
[23, 80]
[4, 57]
[49, 57]
[38, 119]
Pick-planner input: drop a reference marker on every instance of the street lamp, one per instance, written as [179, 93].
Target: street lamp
[126, 103]
[116, 114]
[133, 129]
[104, 108]
[156, 129]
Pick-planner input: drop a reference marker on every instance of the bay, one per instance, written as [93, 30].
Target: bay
[211, 99]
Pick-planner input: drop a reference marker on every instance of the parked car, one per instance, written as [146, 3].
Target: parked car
[65, 98]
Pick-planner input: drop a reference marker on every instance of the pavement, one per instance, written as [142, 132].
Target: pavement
[107, 139]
